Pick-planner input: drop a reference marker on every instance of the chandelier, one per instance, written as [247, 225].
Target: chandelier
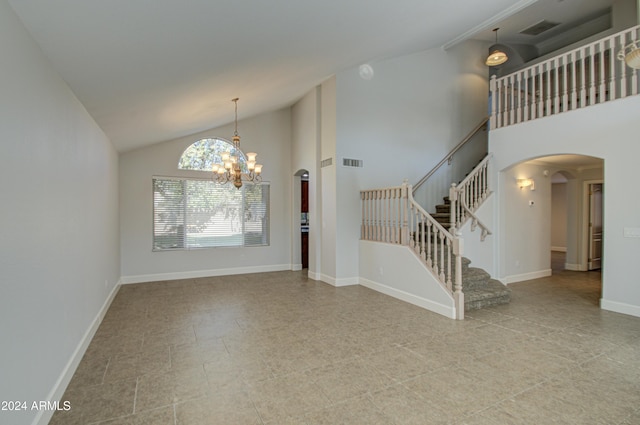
[231, 169]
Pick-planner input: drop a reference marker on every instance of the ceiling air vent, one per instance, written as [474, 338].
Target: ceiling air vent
[539, 27]
[348, 162]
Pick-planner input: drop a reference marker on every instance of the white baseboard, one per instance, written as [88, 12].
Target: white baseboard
[574, 267]
[204, 273]
[44, 416]
[618, 307]
[559, 248]
[296, 267]
[337, 282]
[525, 276]
[444, 310]
[347, 281]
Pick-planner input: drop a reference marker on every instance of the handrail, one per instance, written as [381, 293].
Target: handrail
[447, 234]
[430, 241]
[468, 195]
[479, 166]
[391, 215]
[451, 153]
[433, 221]
[476, 221]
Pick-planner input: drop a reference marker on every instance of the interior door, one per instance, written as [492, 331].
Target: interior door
[595, 225]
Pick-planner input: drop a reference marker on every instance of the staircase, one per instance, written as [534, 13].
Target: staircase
[392, 215]
[443, 213]
[479, 289]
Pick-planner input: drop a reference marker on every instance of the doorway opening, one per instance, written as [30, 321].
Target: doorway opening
[587, 243]
[554, 228]
[559, 220]
[300, 242]
[304, 220]
[594, 224]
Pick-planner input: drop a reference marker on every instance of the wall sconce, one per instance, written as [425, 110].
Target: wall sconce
[526, 183]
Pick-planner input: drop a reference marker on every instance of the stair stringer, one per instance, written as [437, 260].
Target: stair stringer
[397, 271]
[482, 253]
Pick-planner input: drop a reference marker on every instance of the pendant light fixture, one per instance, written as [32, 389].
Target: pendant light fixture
[231, 170]
[630, 54]
[497, 57]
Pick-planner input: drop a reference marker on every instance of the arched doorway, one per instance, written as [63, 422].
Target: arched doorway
[300, 242]
[546, 216]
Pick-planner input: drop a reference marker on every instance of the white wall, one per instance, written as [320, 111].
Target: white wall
[525, 227]
[305, 152]
[607, 131]
[329, 186]
[482, 252]
[269, 135]
[60, 253]
[401, 123]
[398, 272]
[314, 140]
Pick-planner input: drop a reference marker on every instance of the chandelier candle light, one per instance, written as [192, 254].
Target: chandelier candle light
[230, 170]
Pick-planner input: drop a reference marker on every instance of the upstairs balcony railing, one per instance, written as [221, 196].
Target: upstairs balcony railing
[586, 76]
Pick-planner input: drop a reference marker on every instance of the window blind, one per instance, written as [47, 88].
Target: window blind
[191, 214]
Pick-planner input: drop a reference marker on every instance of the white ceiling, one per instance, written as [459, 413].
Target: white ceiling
[153, 70]
[567, 13]
[568, 163]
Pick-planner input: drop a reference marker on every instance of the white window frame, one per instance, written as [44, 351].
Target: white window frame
[177, 240]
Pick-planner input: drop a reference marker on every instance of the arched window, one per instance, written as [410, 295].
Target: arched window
[202, 154]
[194, 213]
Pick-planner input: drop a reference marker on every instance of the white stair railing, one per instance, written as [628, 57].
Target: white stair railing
[467, 196]
[391, 215]
[588, 75]
[384, 215]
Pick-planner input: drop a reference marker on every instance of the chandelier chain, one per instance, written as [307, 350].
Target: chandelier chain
[235, 132]
[234, 167]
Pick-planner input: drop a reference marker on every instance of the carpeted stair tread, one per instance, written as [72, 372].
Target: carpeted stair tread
[495, 293]
[474, 277]
[441, 215]
[443, 209]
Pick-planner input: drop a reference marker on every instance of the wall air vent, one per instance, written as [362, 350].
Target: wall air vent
[539, 27]
[326, 162]
[349, 162]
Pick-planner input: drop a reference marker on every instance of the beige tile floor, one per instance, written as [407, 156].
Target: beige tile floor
[278, 348]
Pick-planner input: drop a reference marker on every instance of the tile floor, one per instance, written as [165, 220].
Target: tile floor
[278, 348]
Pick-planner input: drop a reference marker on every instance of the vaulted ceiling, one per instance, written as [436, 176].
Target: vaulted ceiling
[153, 70]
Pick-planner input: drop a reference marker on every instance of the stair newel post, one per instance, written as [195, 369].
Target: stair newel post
[458, 295]
[406, 187]
[453, 199]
